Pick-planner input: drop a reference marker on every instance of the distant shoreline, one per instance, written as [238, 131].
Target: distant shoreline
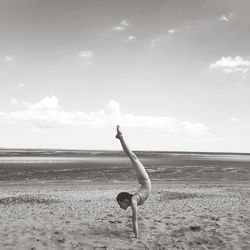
[106, 151]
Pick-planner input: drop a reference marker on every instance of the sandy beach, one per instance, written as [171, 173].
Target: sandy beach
[84, 215]
[67, 200]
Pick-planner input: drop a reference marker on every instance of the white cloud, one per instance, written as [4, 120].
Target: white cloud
[231, 65]
[21, 85]
[118, 28]
[229, 62]
[48, 114]
[48, 103]
[158, 39]
[234, 120]
[165, 37]
[153, 43]
[13, 101]
[124, 24]
[87, 54]
[225, 18]
[172, 31]
[114, 106]
[9, 59]
[131, 38]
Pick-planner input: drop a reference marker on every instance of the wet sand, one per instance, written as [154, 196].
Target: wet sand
[81, 215]
[114, 165]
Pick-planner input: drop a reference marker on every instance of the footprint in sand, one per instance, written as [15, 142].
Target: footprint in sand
[115, 221]
[158, 221]
[61, 240]
[181, 218]
[214, 218]
[103, 248]
[195, 228]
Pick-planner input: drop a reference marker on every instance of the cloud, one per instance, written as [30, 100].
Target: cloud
[87, 55]
[47, 113]
[162, 38]
[229, 62]
[231, 65]
[9, 59]
[225, 18]
[114, 106]
[172, 31]
[124, 24]
[118, 28]
[158, 39]
[21, 85]
[48, 103]
[13, 101]
[131, 38]
[234, 120]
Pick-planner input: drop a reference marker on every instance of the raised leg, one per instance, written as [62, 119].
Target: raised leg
[142, 175]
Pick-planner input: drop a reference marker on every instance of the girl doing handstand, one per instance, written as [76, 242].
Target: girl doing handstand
[125, 199]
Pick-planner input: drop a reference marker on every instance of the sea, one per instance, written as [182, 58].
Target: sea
[97, 165]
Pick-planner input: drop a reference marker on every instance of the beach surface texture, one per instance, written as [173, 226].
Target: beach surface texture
[197, 202]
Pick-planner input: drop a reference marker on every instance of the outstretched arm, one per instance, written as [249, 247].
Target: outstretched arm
[135, 217]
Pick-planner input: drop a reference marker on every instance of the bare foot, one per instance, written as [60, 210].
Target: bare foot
[119, 133]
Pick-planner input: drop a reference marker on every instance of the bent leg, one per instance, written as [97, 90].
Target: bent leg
[142, 175]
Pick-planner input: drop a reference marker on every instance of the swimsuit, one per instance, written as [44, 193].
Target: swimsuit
[144, 191]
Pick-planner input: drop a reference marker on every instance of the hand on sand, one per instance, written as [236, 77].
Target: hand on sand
[136, 237]
[119, 133]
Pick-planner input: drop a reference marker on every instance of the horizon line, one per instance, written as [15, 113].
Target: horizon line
[109, 150]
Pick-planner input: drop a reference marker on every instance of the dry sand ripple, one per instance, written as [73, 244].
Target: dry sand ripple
[77, 215]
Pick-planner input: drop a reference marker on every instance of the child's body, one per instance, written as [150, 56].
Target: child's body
[125, 199]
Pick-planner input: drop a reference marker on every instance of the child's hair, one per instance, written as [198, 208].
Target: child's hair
[124, 196]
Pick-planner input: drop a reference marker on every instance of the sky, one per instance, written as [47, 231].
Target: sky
[175, 74]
